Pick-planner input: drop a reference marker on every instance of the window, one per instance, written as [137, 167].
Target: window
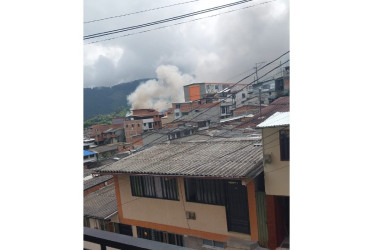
[127, 125]
[213, 244]
[144, 124]
[178, 106]
[138, 125]
[150, 125]
[184, 113]
[161, 236]
[223, 110]
[205, 191]
[154, 187]
[284, 141]
[176, 114]
[243, 95]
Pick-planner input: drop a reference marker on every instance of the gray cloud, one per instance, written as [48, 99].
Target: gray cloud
[211, 50]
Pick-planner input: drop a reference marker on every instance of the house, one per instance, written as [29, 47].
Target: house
[108, 150]
[197, 91]
[168, 117]
[88, 143]
[203, 118]
[113, 135]
[264, 92]
[276, 154]
[100, 209]
[165, 134]
[194, 194]
[89, 157]
[184, 108]
[104, 134]
[138, 122]
[281, 104]
[92, 183]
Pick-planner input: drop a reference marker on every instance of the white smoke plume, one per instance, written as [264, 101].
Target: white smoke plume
[159, 94]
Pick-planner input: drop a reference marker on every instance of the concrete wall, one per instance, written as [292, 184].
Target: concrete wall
[209, 218]
[277, 173]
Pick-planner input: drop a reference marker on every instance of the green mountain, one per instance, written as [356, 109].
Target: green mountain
[106, 100]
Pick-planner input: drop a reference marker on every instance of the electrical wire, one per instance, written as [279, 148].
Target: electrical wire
[138, 12]
[202, 104]
[167, 26]
[224, 98]
[110, 32]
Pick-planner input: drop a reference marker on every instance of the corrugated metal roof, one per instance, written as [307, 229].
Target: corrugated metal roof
[94, 181]
[225, 158]
[86, 153]
[198, 115]
[102, 203]
[282, 104]
[277, 119]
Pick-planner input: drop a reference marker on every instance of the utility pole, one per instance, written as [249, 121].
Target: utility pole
[259, 98]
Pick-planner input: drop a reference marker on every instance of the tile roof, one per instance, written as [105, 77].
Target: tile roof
[102, 203]
[277, 119]
[222, 158]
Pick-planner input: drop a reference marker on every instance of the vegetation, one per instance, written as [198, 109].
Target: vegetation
[105, 100]
[106, 118]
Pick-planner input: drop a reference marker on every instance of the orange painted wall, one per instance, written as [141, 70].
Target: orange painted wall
[252, 210]
[194, 92]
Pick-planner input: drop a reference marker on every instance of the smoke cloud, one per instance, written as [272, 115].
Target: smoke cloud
[159, 94]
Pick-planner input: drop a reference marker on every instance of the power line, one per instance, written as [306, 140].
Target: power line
[222, 99]
[110, 32]
[226, 97]
[167, 26]
[141, 11]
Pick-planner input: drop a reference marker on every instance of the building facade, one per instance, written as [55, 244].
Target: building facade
[187, 194]
[276, 154]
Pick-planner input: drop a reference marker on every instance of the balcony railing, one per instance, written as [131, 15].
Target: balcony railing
[103, 239]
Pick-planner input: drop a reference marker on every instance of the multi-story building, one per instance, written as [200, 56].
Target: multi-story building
[276, 154]
[194, 194]
[197, 91]
[106, 134]
[89, 157]
[140, 121]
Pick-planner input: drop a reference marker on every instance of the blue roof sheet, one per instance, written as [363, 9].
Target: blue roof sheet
[86, 152]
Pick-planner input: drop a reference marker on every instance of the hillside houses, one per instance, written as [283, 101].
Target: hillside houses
[210, 172]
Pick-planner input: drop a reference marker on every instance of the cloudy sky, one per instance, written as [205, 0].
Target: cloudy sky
[214, 49]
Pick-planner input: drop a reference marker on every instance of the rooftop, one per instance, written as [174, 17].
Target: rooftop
[102, 203]
[106, 148]
[221, 158]
[277, 119]
[94, 181]
[282, 104]
[198, 115]
[87, 153]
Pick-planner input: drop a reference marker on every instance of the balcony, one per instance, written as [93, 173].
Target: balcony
[99, 240]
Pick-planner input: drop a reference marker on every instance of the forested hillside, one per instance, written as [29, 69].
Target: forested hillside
[106, 100]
